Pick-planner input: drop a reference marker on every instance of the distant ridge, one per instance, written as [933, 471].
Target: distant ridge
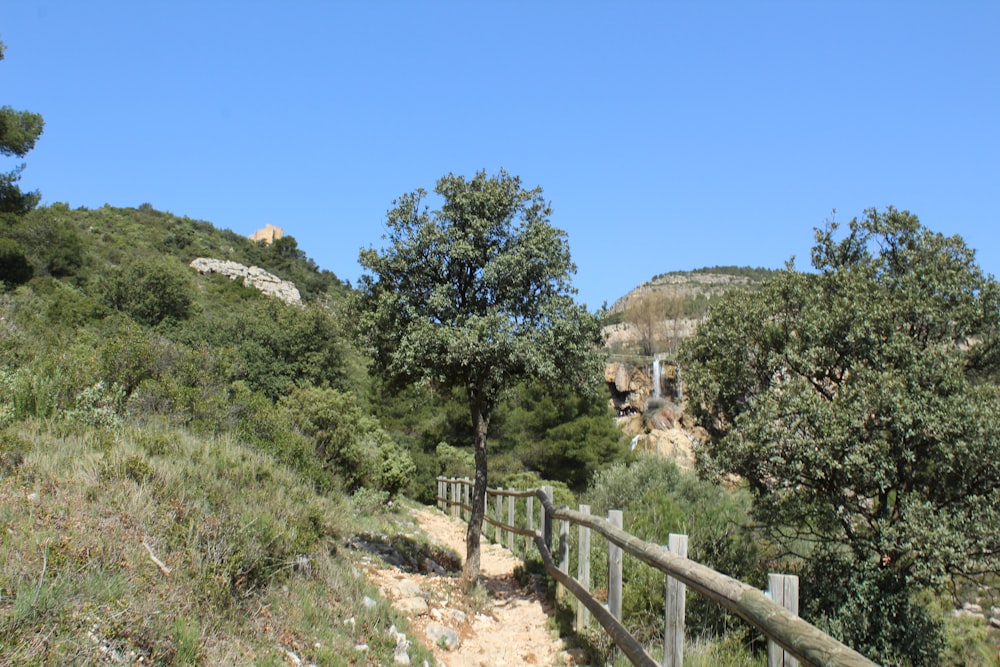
[704, 283]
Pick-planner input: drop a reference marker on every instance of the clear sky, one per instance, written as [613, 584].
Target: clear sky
[667, 135]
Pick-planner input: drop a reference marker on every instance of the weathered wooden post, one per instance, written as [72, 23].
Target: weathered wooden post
[673, 633]
[498, 533]
[563, 555]
[511, 509]
[440, 493]
[615, 568]
[783, 589]
[583, 571]
[467, 492]
[455, 499]
[530, 512]
[547, 519]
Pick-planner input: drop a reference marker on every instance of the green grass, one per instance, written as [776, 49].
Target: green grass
[257, 568]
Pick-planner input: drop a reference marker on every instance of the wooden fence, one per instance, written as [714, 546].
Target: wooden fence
[774, 614]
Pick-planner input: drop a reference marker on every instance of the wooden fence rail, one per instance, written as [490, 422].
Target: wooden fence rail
[791, 637]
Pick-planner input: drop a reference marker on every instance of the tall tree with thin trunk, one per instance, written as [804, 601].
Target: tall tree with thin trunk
[471, 298]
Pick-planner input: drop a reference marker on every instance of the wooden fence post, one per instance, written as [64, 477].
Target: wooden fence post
[673, 633]
[615, 568]
[530, 512]
[511, 509]
[455, 498]
[783, 589]
[467, 490]
[583, 571]
[498, 533]
[563, 555]
[547, 519]
[440, 504]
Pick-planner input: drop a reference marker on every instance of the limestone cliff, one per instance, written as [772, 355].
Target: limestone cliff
[253, 276]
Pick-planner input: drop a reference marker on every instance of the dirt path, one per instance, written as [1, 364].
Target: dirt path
[508, 627]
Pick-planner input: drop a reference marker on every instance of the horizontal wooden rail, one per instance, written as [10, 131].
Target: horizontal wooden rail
[486, 517]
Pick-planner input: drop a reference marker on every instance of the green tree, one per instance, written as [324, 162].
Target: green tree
[473, 298]
[151, 290]
[14, 266]
[855, 402]
[18, 132]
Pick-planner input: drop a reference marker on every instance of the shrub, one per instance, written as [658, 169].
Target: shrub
[14, 266]
[348, 440]
[658, 499]
[151, 290]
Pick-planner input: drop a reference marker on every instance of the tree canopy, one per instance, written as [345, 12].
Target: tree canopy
[18, 132]
[856, 402]
[473, 297]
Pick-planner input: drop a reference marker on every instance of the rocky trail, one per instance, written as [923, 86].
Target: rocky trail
[508, 625]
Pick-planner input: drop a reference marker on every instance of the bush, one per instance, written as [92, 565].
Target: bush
[151, 290]
[870, 609]
[349, 441]
[658, 499]
[14, 266]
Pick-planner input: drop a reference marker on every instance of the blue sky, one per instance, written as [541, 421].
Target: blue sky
[667, 135]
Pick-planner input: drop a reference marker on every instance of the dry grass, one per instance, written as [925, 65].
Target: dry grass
[156, 546]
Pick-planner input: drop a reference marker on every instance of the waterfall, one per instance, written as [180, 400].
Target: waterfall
[657, 377]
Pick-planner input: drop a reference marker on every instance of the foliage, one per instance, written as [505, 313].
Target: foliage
[657, 499]
[14, 266]
[54, 245]
[278, 346]
[348, 440]
[854, 402]
[18, 132]
[474, 297]
[151, 290]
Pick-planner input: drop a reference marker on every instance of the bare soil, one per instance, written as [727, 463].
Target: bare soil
[506, 626]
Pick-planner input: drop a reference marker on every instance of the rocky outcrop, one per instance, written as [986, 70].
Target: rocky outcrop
[630, 385]
[654, 425]
[253, 276]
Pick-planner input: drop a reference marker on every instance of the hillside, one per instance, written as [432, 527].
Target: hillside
[167, 492]
[655, 316]
[185, 463]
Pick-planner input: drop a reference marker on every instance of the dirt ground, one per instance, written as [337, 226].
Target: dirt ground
[507, 626]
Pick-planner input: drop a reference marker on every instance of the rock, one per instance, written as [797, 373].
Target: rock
[456, 615]
[400, 655]
[673, 444]
[972, 607]
[252, 276]
[407, 588]
[368, 602]
[411, 605]
[574, 656]
[443, 636]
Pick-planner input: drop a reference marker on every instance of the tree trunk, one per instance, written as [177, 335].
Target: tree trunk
[470, 571]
